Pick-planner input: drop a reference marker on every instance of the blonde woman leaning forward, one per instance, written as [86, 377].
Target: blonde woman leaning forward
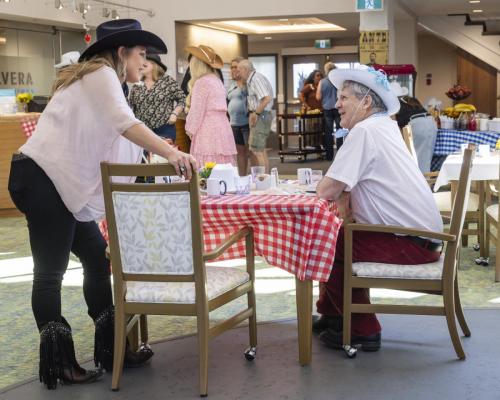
[207, 123]
[55, 181]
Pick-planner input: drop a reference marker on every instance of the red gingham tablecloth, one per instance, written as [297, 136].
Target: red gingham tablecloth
[296, 233]
[28, 125]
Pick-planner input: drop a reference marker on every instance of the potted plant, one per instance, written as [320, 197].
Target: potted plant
[204, 174]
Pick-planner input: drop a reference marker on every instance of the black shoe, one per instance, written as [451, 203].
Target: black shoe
[57, 357]
[104, 344]
[320, 323]
[333, 339]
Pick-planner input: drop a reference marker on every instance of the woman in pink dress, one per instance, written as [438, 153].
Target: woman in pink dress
[207, 124]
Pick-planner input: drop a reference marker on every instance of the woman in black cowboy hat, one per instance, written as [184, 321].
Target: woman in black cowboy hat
[55, 181]
[160, 100]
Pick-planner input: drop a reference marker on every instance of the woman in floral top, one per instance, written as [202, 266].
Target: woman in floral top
[159, 100]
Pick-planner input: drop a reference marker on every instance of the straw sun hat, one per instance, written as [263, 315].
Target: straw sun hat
[207, 55]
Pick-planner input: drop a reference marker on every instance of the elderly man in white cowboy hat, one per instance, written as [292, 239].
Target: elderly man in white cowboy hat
[385, 187]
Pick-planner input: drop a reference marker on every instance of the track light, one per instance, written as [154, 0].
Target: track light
[59, 4]
[115, 15]
[82, 8]
[106, 12]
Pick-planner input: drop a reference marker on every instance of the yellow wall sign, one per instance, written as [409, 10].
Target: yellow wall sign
[374, 47]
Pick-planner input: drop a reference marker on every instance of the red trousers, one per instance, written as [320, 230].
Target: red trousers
[367, 246]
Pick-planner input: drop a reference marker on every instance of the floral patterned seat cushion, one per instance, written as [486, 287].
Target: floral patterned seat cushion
[219, 281]
[396, 271]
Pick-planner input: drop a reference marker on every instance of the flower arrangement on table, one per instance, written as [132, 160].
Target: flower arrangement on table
[204, 173]
[23, 99]
[458, 92]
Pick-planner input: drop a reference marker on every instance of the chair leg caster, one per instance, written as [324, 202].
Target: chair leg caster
[251, 353]
[350, 351]
[484, 261]
[476, 247]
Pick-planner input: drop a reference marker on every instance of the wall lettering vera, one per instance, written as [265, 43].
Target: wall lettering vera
[27, 73]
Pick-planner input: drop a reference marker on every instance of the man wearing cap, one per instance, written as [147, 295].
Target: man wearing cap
[385, 187]
[68, 58]
[260, 104]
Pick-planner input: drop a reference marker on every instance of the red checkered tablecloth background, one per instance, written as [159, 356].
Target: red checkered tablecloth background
[28, 125]
[296, 233]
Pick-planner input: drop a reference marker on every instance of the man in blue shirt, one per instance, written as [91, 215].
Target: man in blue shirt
[238, 116]
[327, 94]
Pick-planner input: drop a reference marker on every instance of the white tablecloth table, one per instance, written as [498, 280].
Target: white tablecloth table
[483, 169]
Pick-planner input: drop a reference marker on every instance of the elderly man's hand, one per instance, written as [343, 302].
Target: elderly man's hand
[252, 119]
[344, 207]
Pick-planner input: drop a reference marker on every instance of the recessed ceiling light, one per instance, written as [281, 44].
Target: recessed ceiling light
[268, 38]
[474, 1]
[283, 19]
[477, 11]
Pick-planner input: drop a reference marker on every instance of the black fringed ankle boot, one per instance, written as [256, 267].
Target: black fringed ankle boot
[104, 344]
[57, 357]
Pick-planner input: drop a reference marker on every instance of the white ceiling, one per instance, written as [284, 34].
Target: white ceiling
[405, 9]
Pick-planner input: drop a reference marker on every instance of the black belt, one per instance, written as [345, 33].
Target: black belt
[19, 157]
[426, 243]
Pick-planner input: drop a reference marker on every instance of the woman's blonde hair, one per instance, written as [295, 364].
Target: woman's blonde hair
[74, 72]
[157, 73]
[197, 69]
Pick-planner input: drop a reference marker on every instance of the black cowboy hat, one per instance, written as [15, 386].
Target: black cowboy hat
[156, 59]
[123, 32]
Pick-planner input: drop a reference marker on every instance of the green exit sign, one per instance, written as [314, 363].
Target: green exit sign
[369, 5]
[323, 44]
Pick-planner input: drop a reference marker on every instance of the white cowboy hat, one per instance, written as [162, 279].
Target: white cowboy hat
[398, 89]
[371, 78]
[68, 59]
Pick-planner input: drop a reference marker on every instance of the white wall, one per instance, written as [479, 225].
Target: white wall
[406, 42]
[440, 59]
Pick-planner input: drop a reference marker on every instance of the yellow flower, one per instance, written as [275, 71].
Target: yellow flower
[25, 97]
[210, 165]
[497, 146]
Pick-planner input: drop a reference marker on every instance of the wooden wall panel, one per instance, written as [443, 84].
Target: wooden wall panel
[481, 78]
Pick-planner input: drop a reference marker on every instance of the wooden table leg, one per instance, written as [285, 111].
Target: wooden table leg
[303, 291]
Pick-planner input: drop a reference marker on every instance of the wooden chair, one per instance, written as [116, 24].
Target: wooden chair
[156, 246]
[492, 221]
[438, 278]
[443, 198]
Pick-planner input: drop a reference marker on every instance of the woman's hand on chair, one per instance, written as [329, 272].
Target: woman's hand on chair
[183, 163]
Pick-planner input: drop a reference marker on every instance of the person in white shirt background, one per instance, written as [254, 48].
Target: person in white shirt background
[55, 181]
[385, 186]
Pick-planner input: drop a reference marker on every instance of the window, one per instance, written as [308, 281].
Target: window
[300, 74]
[266, 65]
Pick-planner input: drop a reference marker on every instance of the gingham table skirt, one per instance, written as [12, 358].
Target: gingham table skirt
[448, 141]
[296, 233]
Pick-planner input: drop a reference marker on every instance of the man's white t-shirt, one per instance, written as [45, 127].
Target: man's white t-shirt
[385, 183]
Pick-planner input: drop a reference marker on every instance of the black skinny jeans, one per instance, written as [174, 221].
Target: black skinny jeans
[54, 233]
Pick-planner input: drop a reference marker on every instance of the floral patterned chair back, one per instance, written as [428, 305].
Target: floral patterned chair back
[154, 232]
[154, 229]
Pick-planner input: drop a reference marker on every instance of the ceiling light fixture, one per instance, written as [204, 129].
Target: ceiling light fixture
[106, 12]
[82, 8]
[115, 15]
[220, 28]
[292, 27]
[474, 1]
[59, 4]
[477, 11]
[268, 38]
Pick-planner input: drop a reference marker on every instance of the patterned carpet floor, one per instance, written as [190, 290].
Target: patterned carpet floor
[275, 300]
